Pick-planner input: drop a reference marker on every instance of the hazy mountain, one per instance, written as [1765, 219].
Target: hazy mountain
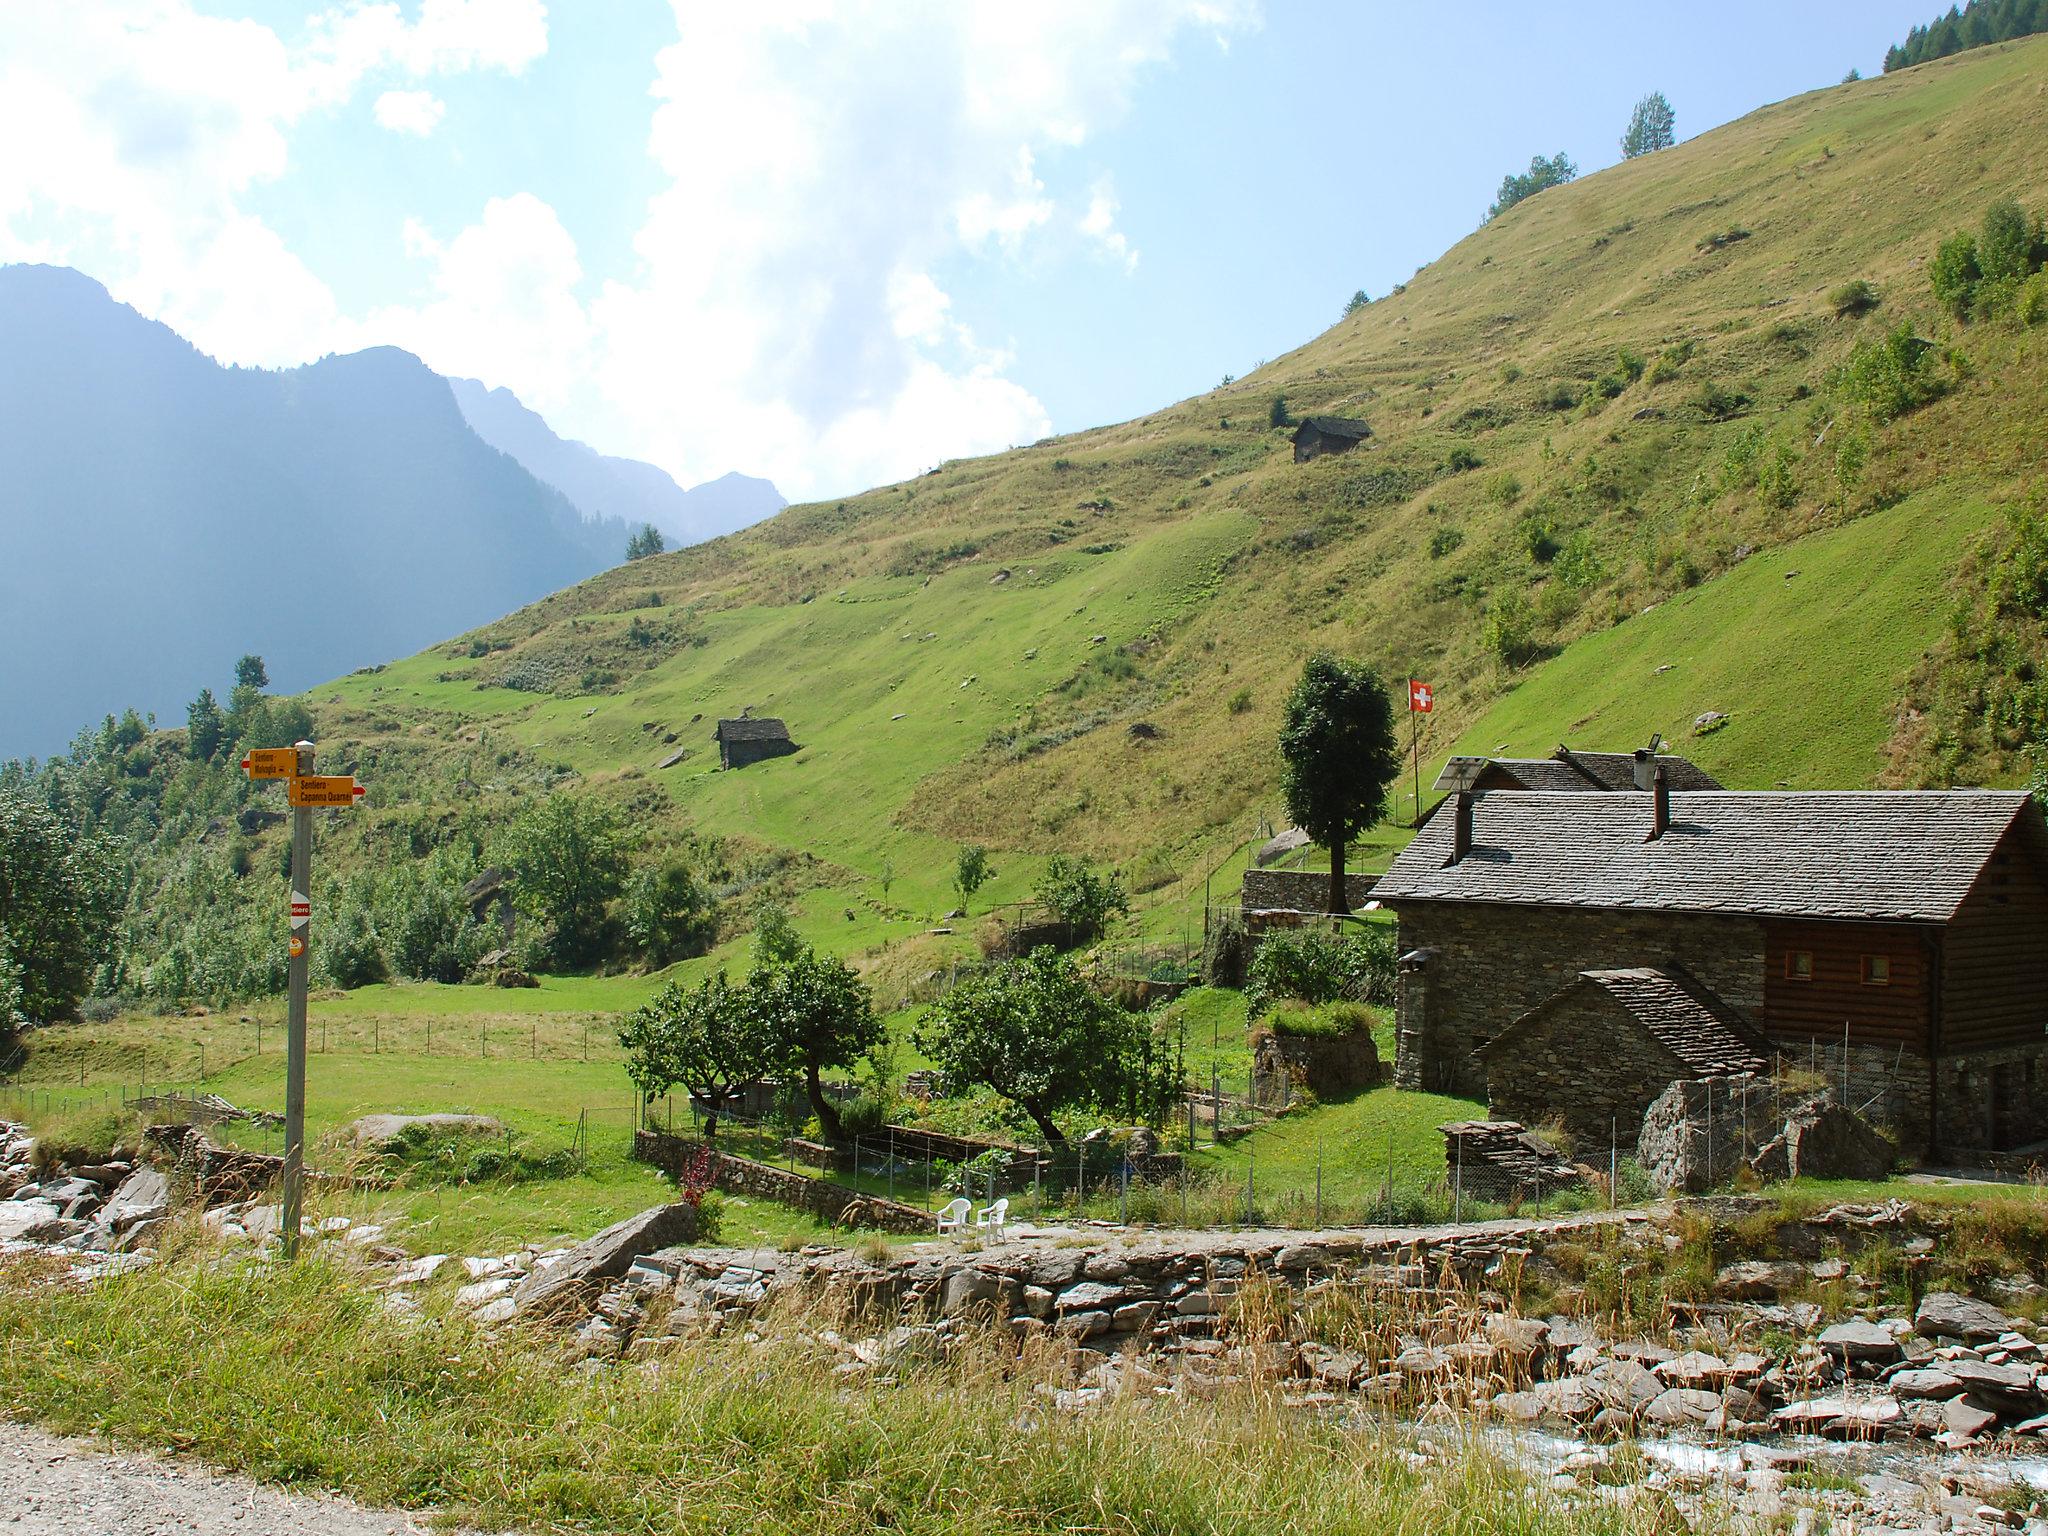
[603, 486]
[162, 514]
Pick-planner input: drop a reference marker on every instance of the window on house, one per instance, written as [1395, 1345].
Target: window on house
[1877, 970]
[1799, 965]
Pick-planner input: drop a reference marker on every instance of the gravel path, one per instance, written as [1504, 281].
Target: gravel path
[51, 1486]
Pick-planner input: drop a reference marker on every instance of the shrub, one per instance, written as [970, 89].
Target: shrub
[1241, 701]
[1225, 951]
[1892, 376]
[1504, 488]
[1460, 459]
[1080, 897]
[2031, 306]
[1443, 540]
[1314, 966]
[1716, 401]
[1853, 298]
[1508, 630]
[1539, 538]
[1954, 274]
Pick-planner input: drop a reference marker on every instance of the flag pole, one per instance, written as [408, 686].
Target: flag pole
[1415, 746]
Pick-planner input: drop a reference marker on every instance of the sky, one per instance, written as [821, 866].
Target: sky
[829, 243]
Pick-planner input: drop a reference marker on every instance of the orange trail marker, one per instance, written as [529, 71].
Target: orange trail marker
[324, 789]
[272, 763]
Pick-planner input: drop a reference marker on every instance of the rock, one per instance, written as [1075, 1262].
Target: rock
[1859, 1343]
[967, 1290]
[420, 1270]
[606, 1256]
[1133, 1317]
[1966, 1423]
[19, 1216]
[1944, 1314]
[485, 1268]
[478, 1292]
[1676, 1407]
[1520, 1407]
[2009, 1389]
[1855, 1417]
[1695, 1369]
[1830, 1141]
[145, 1195]
[1936, 1385]
[382, 1131]
[1092, 1296]
[1759, 1279]
[1624, 1385]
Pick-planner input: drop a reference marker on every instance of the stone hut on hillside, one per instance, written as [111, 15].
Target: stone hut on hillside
[1318, 435]
[747, 740]
[1899, 938]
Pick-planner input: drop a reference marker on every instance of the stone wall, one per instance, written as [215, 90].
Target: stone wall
[1327, 1066]
[1301, 890]
[1584, 1061]
[743, 1176]
[1988, 1100]
[1490, 964]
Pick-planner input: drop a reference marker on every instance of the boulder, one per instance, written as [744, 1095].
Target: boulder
[2009, 1389]
[1624, 1385]
[1759, 1279]
[1860, 1343]
[1945, 1315]
[1934, 1384]
[1965, 1423]
[145, 1195]
[1830, 1141]
[20, 1216]
[381, 1131]
[1676, 1407]
[578, 1274]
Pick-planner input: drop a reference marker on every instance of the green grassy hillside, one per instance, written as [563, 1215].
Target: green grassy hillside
[965, 655]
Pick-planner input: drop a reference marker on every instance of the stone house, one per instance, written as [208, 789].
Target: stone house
[1318, 435]
[748, 740]
[1899, 938]
[1654, 1026]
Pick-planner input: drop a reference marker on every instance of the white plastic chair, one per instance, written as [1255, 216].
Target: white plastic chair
[953, 1216]
[992, 1217]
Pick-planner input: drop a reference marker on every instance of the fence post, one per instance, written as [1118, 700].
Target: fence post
[1319, 1183]
[1458, 1183]
[892, 1161]
[1251, 1198]
[1123, 1194]
[1613, 1157]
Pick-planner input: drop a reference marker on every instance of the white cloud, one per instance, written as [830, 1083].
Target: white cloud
[824, 165]
[417, 113]
[151, 123]
[503, 305]
[1099, 224]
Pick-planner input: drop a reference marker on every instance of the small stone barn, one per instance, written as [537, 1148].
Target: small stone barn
[747, 740]
[1565, 769]
[1318, 435]
[1651, 1025]
[1898, 937]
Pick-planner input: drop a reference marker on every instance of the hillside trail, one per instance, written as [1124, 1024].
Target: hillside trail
[54, 1486]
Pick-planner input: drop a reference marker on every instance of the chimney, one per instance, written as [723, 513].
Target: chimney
[1461, 827]
[1645, 767]
[1660, 804]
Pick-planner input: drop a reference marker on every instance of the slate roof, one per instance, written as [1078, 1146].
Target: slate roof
[1335, 426]
[1694, 1025]
[749, 729]
[1873, 855]
[1565, 769]
[1617, 770]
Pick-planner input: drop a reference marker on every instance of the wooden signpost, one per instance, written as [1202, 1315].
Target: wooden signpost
[305, 791]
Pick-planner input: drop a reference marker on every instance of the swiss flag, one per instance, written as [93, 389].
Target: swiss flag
[1421, 697]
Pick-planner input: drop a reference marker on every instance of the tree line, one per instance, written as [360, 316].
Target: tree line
[1976, 25]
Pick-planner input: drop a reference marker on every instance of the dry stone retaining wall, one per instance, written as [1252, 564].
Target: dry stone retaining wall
[737, 1175]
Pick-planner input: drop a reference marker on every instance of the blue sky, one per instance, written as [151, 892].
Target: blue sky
[828, 243]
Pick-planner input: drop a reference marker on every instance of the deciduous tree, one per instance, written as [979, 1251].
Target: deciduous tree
[1035, 1032]
[569, 857]
[814, 1014]
[707, 1039]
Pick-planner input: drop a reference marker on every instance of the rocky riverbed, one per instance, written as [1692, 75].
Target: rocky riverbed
[1750, 1401]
